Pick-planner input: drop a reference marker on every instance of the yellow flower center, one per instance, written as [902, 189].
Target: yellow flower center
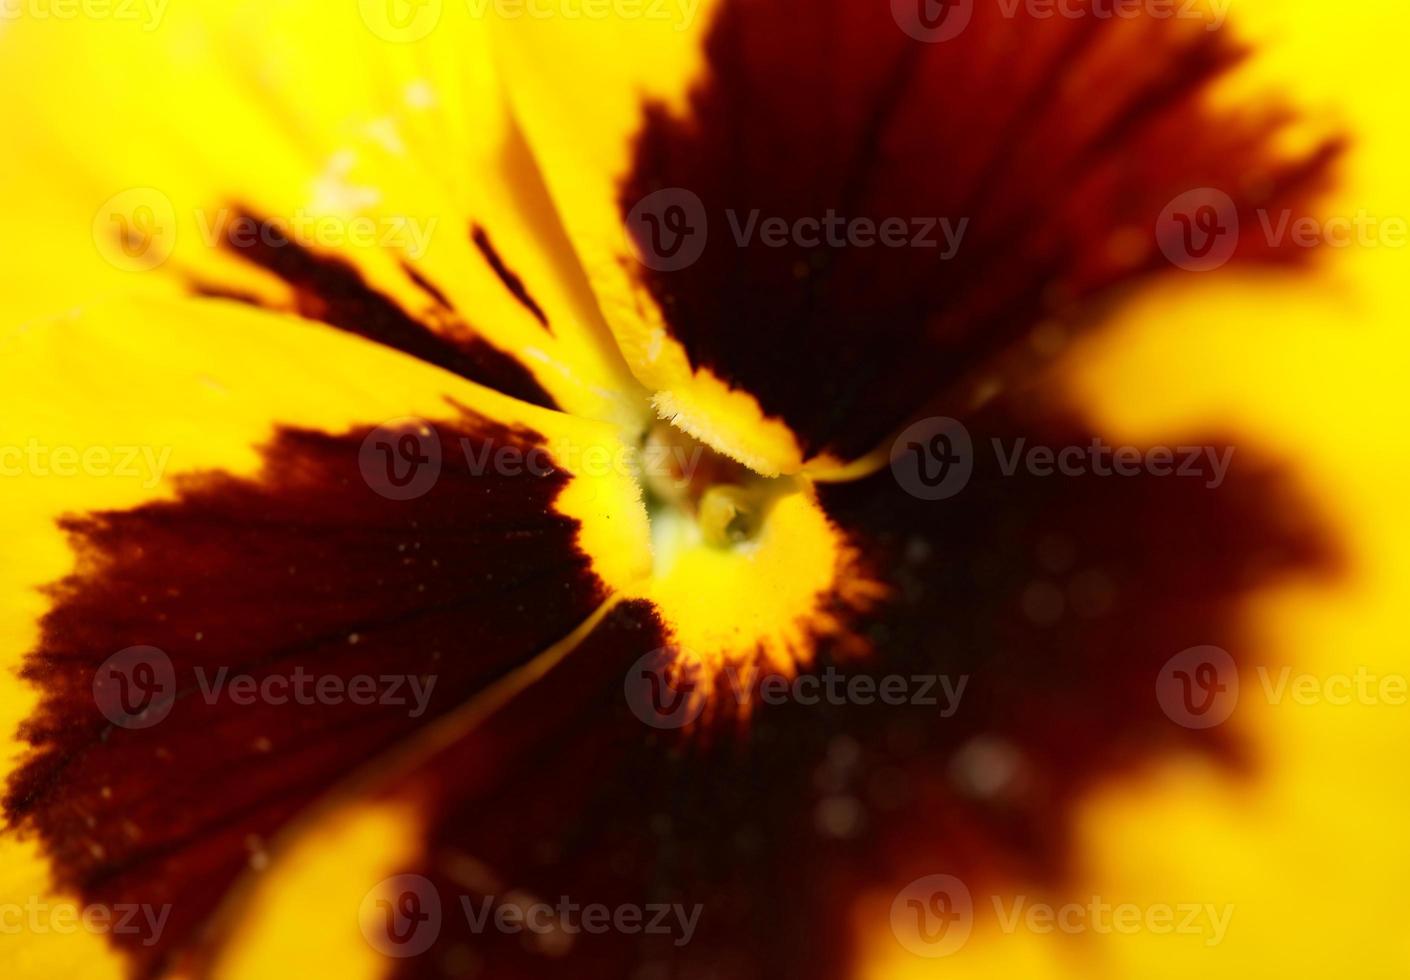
[748, 572]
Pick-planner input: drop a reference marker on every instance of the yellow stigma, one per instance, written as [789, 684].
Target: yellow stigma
[748, 572]
[726, 516]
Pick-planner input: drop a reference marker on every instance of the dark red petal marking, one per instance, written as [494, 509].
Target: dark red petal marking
[1064, 597]
[1059, 140]
[600, 808]
[303, 568]
[427, 287]
[329, 289]
[508, 276]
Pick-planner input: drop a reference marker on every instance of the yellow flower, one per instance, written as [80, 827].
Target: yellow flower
[734, 488]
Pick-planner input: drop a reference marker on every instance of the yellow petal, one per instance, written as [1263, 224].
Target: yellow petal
[386, 154]
[582, 136]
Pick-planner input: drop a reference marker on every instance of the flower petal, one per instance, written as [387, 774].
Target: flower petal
[761, 844]
[823, 223]
[356, 178]
[238, 493]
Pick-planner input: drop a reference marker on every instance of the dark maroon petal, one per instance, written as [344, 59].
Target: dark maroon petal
[776, 827]
[1059, 141]
[306, 568]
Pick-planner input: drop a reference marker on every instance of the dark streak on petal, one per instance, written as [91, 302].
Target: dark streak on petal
[303, 568]
[511, 280]
[330, 289]
[1059, 141]
[426, 286]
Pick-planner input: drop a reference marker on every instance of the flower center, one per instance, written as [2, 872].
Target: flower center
[747, 572]
[695, 495]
